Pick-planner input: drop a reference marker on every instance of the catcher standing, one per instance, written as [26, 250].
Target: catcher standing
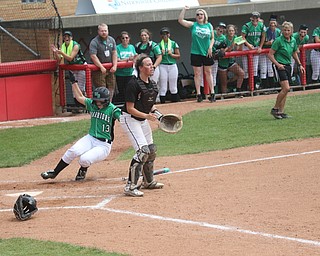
[140, 97]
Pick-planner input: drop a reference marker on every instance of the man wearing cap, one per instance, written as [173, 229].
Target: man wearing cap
[254, 32]
[168, 66]
[103, 49]
[71, 53]
[265, 64]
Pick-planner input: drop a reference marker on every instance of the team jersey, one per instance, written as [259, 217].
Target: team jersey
[124, 54]
[102, 120]
[142, 94]
[226, 62]
[271, 36]
[152, 49]
[67, 49]
[172, 45]
[218, 40]
[284, 49]
[300, 42]
[253, 33]
[316, 32]
[201, 37]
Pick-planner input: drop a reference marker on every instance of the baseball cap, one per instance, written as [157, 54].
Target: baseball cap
[222, 24]
[255, 14]
[67, 33]
[303, 27]
[273, 17]
[164, 30]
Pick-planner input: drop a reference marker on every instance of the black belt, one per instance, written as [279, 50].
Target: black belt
[168, 63]
[102, 139]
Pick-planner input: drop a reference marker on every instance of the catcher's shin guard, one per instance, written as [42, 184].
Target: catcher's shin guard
[135, 174]
[149, 182]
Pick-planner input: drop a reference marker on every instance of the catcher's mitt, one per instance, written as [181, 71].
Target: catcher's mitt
[171, 123]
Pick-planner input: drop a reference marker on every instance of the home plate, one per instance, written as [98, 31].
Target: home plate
[30, 193]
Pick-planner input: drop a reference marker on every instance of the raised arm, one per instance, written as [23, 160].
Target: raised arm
[181, 19]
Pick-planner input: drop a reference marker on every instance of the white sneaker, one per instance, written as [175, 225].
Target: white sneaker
[132, 192]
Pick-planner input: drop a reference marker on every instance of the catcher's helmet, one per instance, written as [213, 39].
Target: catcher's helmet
[25, 207]
[102, 94]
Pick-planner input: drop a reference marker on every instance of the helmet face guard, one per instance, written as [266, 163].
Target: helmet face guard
[102, 94]
[25, 207]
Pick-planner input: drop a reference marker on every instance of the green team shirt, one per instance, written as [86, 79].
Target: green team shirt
[253, 33]
[167, 59]
[218, 40]
[226, 62]
[298, 40]
[154, 49]
[316, 32]
[284, 49]
[102, 120]
[124, 54]
[201, 36]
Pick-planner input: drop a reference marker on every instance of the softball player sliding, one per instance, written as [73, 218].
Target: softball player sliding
[315, 56]
[140, 96]
[95, 146]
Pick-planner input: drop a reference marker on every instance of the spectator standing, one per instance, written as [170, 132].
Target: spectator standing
[103, 49]
[202, 37]
[95, 146]
[152, 49]
[139, 108]
[219, 44]
[228, 64]
[168, 66]
[315, 56]
[266, 71]
[254, 32]
[126, 52]
[280, 54]
[302, 38]
[71, 53]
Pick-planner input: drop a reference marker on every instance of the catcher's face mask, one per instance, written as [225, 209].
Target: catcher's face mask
[25, 207]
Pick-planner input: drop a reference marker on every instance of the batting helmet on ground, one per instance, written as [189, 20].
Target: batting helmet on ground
[25, 207]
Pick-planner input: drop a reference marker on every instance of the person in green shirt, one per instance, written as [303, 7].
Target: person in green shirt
[202, 37]
[96, 145]
[126, 52]
[315, 56]
[168, 66]
[302, 38]
[254, 32]
[265, 65]
[280, 54]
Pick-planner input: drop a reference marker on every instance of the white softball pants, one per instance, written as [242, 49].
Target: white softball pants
[90, 150]
[168, 75]
[265, 66]
[139, 132]
[245, 64]
[315, 64]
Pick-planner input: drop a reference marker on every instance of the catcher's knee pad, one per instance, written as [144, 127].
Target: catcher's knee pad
[148, 166]
[142, 154]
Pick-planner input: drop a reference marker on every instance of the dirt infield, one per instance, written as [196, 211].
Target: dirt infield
[259, 200]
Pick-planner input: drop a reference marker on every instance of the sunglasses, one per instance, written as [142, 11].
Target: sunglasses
[125, 37]
[200, 14]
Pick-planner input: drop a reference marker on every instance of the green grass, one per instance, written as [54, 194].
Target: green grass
[20, 146]
[23, 246]
[239, 125]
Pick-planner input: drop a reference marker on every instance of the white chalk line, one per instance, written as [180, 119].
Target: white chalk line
[186, 170]
[101, 205]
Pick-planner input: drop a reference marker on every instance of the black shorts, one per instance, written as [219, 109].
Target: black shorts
[282, 75]
[199, 60]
